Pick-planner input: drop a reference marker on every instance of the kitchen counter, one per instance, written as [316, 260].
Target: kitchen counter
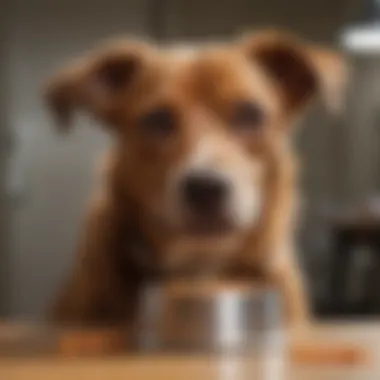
[132, 367]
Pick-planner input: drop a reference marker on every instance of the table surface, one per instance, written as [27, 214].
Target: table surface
[194, 368]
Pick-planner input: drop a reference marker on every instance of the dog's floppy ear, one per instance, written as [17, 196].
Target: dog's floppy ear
[97, 83]
[301, 70]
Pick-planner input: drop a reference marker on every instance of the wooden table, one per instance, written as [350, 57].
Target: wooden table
[193, 368]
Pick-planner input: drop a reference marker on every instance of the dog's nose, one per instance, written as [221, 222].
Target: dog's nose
[204, 192]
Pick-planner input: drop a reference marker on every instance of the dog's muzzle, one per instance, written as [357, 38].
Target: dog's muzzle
[205, 196]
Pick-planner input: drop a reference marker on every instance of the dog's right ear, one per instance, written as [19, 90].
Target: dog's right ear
[97, 84]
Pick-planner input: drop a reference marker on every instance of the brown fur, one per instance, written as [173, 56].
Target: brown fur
[118, 84]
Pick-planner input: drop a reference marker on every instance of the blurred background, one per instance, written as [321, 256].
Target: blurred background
[45, 179]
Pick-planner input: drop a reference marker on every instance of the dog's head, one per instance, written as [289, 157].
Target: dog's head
[197, 126]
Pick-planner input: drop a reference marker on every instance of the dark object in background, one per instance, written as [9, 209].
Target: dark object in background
[361, 229]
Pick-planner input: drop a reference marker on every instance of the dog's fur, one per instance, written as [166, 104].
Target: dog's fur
[136, 224]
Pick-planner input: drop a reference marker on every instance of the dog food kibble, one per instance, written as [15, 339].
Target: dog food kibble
[324, 354]
[79, 343]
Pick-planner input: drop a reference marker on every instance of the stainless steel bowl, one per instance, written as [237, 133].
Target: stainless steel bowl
[209, 316]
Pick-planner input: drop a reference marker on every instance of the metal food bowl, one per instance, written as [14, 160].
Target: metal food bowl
[209, 317]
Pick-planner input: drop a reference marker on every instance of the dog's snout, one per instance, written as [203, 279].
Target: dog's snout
[204, 192]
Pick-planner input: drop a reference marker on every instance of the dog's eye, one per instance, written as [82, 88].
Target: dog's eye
[247, 115]
[159, 122]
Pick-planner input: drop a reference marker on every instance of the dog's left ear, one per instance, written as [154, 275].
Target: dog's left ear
[302, 71]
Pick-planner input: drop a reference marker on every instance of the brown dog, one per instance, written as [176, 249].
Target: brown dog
[201, 178]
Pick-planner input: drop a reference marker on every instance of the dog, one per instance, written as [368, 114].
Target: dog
[201, 178]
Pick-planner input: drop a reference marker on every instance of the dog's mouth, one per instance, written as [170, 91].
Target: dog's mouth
[209, 227]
